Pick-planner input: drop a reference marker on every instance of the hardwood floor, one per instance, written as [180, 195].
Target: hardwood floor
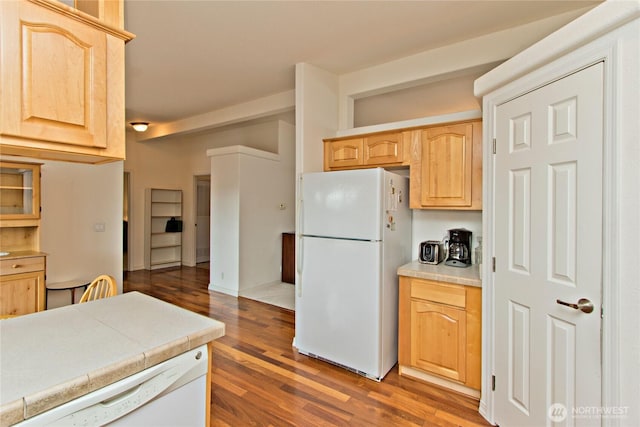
[259, 379]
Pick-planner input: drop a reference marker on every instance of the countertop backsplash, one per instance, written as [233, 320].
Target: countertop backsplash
[434, 224]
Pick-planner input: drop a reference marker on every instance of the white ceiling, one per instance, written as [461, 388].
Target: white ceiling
[192, 57]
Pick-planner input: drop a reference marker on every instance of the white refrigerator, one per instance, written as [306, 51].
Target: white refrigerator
[354, 231]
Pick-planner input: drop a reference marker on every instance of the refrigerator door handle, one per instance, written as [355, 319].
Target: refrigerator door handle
[299, 266]
[298, 281]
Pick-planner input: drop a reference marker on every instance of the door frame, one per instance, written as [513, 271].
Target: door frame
[127, 177]
[196, 179]
[602, 49]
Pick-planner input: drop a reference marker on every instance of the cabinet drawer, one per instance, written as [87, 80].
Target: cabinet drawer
[453, 295]
[21, 265]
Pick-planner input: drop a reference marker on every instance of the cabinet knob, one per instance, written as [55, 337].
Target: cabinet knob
[15, 266]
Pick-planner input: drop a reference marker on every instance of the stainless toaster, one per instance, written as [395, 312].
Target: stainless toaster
[431, 252]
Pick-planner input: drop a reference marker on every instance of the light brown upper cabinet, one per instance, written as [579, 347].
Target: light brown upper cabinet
[374, 150]
[341, 154]
[446, 167]
[62, 75]
[19, 206]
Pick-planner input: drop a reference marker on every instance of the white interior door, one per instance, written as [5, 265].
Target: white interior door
[548, 248]
[203, 217]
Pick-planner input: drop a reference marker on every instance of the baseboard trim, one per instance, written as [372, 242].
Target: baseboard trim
[423, 376]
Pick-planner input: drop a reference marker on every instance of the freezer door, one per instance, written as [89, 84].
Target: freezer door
[338, 305]
[343, 204]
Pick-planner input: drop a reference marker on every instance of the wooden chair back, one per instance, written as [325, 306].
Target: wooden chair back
[102, 286]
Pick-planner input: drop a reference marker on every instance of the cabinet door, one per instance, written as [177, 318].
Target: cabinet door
[438, 339]
[22, 293]
[53, 74]
[446, 172]
[19, 190]
[383, 149]
[343, 153]
[288, 258]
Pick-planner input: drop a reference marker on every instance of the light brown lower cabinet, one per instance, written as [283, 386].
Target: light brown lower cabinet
[22, 287]
[440, 333]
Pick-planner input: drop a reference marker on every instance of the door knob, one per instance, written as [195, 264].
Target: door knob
[583, 305]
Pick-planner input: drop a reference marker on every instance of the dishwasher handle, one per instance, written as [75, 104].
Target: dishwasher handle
[116, 400]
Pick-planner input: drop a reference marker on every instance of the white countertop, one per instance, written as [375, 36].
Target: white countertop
[468, 276]
[51, 357]
[21, 254]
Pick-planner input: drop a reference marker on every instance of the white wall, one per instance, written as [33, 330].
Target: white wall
[74, 199]
[455, 60]
[325, 102]
[316, 115]
[172, 163]
[628, 228]
[265, 186]
[154, 165]
[248, 187]
[433, 225]
[224, 270]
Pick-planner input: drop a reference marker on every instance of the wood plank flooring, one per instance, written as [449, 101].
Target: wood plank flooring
[259, 379]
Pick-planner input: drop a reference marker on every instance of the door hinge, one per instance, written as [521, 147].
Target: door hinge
[493, 383]
[493, 262]
[494, 146]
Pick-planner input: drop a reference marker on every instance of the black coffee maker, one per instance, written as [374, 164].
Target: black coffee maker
[459, 248]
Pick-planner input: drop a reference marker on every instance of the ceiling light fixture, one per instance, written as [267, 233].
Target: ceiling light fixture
[139, 126]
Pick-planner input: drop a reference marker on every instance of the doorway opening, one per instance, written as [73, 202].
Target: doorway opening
[125, 220]
[202, 185]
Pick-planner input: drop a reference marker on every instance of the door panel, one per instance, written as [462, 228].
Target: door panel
[548, 247]
[518, 356]
[520, 189]
[561, 381]
[562, 217]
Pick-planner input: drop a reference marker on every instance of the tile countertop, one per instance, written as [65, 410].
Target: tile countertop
[20, 254]
[53, 356]
[468, 276]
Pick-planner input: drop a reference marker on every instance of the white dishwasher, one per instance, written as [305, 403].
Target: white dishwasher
[172, 393]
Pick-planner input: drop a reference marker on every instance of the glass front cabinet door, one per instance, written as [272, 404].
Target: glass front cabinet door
[19, 191]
